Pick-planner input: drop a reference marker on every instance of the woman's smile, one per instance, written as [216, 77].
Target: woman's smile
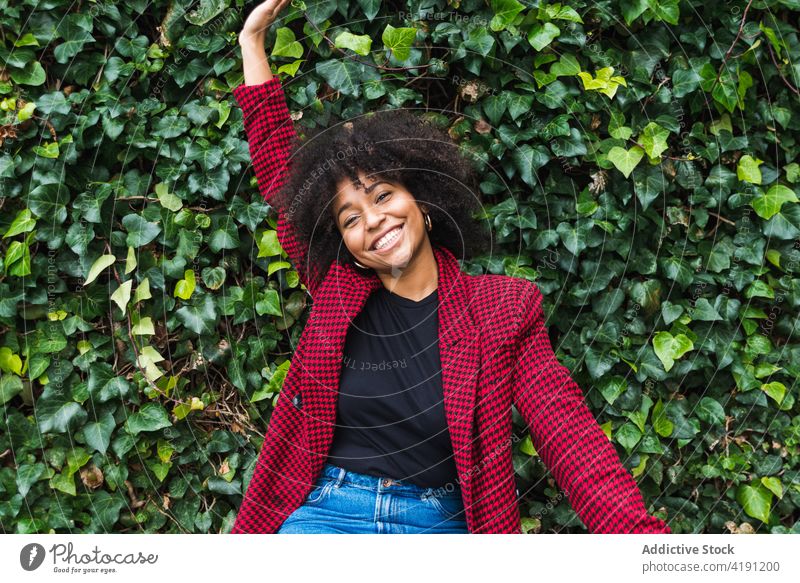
[389, 241]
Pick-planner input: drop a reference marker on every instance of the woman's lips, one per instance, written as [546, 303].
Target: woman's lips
[393, 243]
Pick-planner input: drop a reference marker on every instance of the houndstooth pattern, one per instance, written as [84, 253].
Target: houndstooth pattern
[270, 133]
[494, 352]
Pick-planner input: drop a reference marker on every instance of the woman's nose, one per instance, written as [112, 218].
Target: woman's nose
[372, 218]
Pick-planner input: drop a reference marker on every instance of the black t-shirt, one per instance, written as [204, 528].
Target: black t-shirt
[390, 417]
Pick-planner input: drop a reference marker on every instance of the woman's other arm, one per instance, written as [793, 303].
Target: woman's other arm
[269, 127]
[568, 438]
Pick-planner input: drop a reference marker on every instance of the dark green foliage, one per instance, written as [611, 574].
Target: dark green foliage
[637, 160]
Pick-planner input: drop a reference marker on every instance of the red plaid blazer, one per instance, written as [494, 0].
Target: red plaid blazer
[494, 351]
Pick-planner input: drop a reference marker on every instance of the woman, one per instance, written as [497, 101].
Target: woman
[395, 416]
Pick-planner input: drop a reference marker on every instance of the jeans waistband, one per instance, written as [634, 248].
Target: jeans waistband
[384, 484]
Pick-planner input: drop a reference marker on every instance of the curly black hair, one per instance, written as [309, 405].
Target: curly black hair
[399, 146]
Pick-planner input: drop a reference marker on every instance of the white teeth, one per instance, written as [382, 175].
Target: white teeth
[388, 238]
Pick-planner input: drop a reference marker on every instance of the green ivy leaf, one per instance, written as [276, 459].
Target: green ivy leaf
[104, 384]
[151, 417]
[756, 500]
[360, 44]
[143, 327]
[773, 484]
[710, 411]
[670, 348]
[566, 66]
[604, 81]
[684, 82]
[58, 414]
[213, 277]
[97, 434]
[399, 41]
[47, 202]
[632, 9]
[526, 446]
[10, 387]
[64, 482]
[167, 199]
[74, 29]
[201, 317]
[625, 160]
[628, 435]
[286, 44]
[558, 12]
[528, 159]
[27, 476]
[505, 11]
[661, 423]
[769, 204]
[653, 139]
[342, 74]
[705, 312]
[612, 388]
[542, 34]
[670, 312]
[206, 11]
[122, 295]
[666, 10]
[22, 223]
[748, 169]
[32, 74]
[775, 390]
[269, 304]
[268, 244]
[140, 231]
[105, 508]
[185, 287]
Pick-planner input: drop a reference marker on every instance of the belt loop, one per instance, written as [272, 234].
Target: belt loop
[340, 477]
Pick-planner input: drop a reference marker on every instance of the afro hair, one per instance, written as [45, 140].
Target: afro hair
[395, 145]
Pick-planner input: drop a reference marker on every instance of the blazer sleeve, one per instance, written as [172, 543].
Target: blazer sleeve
[270, 133]
[569, 440]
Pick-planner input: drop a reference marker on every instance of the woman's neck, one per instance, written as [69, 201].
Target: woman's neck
[418, 279]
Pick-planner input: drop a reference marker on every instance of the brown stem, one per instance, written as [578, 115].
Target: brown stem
[733, 44]
[785, 80]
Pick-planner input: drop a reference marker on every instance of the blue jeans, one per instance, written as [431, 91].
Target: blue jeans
[344, 502]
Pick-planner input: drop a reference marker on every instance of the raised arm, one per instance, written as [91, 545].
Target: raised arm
[269, 128]
[566, 435]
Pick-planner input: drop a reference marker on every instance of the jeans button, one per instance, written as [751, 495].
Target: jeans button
[387, 482]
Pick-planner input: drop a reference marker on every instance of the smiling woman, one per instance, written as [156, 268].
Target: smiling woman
[373, 213]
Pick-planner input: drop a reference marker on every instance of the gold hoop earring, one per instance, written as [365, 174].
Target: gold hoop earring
[359, 265]
[428, 222]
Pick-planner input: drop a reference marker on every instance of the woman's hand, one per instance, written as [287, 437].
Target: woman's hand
[255, 27]
[251, 39]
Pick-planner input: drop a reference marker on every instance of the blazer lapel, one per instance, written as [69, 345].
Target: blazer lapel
[338, 301]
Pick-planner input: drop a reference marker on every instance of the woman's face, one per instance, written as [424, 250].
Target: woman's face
[381, 223]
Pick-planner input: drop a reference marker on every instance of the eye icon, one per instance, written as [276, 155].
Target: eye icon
[31, 556]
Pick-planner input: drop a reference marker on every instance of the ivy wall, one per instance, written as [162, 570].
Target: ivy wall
[637, 158]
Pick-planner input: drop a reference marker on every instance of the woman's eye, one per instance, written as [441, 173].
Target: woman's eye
[350, 220]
